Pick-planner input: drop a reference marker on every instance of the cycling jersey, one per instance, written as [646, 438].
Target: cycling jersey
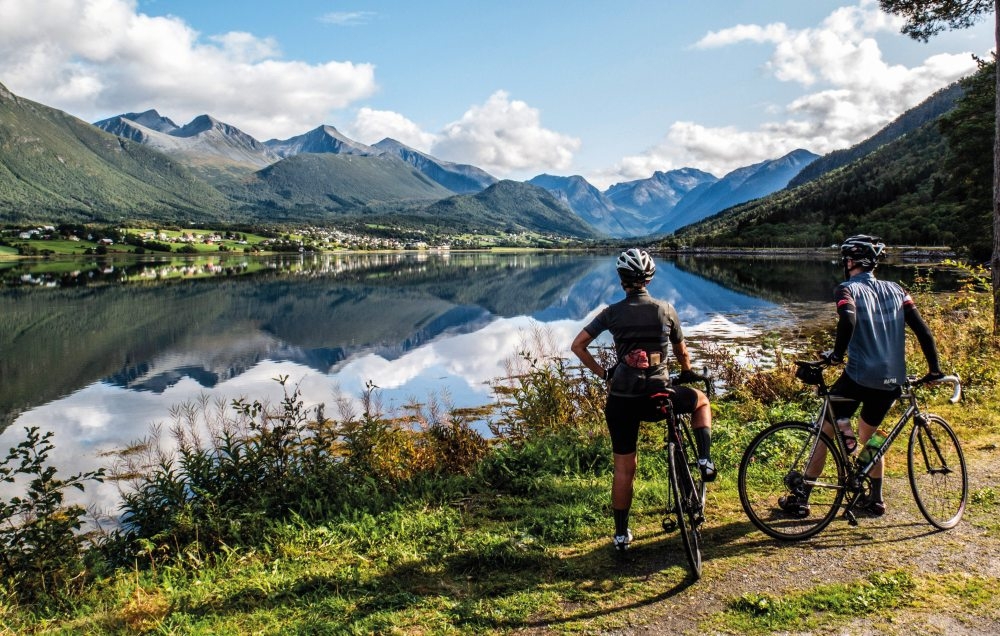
[876, 353]
[639, 323]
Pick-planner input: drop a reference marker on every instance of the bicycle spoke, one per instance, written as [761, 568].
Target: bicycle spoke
[775, 465]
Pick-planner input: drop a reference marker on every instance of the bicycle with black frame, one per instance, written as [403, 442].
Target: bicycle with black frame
[810, 460]
[685, 505]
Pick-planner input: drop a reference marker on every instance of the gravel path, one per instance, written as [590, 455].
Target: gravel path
[902, 539]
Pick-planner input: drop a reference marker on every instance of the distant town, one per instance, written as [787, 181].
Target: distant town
[68, 240]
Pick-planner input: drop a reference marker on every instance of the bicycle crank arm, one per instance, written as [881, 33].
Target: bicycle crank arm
[849, 509]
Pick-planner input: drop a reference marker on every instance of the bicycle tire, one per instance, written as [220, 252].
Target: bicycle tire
[937, 472]
[773, 465]
[687, 518]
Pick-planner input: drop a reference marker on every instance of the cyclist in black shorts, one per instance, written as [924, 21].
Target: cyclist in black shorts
[645, 330]
[873, 316]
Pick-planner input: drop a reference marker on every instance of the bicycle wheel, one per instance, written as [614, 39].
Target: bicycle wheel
[688, 510]
[774, 465]
[937, 473]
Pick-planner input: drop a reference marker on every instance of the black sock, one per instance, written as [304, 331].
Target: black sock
[621, 521]
[876, 489]
[703, 440]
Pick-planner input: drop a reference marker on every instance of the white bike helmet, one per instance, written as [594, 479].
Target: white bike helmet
[635, 266]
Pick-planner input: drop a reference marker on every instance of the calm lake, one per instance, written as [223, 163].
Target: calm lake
[99, 351]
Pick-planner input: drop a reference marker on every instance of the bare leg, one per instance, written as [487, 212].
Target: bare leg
[702, 415]
[865, 431]
[815, 466]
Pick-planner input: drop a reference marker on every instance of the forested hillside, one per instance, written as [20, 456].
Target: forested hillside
[510, 206]
[312, 186]
[931, 186]
[57, 168]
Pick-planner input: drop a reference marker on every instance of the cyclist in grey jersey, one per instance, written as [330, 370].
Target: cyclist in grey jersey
[873, 315]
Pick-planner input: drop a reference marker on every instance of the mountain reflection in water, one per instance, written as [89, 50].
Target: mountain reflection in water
[320, 312]
[101, 359]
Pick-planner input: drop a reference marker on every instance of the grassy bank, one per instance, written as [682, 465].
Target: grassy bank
[282, 519]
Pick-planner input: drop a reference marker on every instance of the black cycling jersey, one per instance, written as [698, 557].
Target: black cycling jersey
[639, 324]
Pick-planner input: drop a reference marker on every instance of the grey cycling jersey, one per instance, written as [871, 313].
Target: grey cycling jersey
[639, 322]
[876, 353]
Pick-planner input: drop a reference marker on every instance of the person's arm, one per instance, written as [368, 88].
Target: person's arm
[682, 355]
[579, 347]
[846, 322]
[924, 336]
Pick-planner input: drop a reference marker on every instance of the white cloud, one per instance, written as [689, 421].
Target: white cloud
[96, 58]
[854, 93]
[504, 136]
[348, 18]
[371, 126]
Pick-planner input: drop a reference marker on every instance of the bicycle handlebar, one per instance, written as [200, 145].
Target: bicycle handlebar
[693, 378]
[953, 380]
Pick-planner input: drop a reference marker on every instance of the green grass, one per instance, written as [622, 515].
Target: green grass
[755, 613]
[56, 247]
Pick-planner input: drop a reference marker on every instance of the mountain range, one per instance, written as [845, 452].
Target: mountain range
[924, 179]
[134, 166]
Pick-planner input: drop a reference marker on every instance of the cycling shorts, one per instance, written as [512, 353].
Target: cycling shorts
[624, 414]
[875, 403]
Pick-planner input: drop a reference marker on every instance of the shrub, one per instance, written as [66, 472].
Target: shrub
[541, 395]
[41, 552]
[232, 472]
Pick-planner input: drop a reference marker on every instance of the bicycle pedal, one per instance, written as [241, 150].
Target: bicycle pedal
[669, 525]
[851, 518]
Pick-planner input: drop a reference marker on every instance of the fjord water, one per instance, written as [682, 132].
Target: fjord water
[100, 351]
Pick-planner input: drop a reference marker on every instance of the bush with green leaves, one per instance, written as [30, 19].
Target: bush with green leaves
[542, 395]
[41, 549]
[233, 471]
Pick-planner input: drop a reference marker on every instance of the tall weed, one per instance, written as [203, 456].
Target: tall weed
[542, 395]
[228, 473]
[962, 323]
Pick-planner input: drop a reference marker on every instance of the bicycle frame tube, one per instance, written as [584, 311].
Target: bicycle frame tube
[897, 428]
[935, 450]
[824, 419]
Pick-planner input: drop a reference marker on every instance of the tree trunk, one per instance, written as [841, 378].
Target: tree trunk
[995, 261]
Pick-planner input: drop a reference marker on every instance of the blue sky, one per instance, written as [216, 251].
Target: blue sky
[610, 91]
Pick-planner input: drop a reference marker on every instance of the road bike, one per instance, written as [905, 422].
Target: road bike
[775, 465]
[685, 505]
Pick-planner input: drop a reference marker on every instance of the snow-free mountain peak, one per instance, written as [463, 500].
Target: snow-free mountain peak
[457, 177]
[323, 138]
[740, 185]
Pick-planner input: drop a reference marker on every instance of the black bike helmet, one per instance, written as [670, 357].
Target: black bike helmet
[864, 250]
[635, 266]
